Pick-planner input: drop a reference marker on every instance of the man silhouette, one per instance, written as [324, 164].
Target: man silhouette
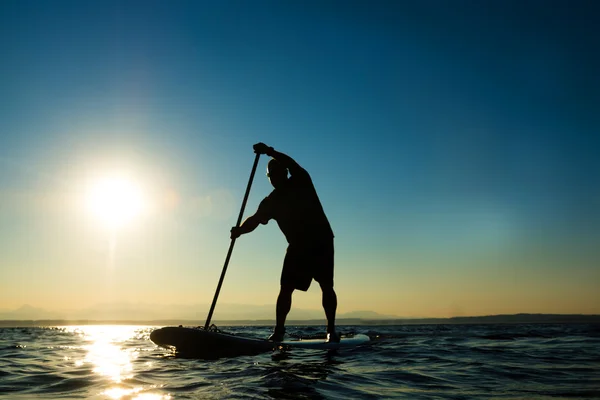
[295, 206]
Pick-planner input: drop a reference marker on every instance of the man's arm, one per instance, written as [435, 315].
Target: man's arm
[261, 216]
[250, 224]
[285, 160]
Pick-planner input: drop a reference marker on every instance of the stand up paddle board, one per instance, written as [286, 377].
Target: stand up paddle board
[198, 342]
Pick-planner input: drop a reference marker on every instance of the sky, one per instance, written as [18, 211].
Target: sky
[454, 147]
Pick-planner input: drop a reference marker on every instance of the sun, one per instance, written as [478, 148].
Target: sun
[115, 201]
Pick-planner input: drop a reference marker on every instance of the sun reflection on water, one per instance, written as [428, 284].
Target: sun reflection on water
[120, 394]
[107, 352]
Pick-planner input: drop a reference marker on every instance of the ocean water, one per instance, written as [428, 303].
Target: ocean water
[402, 362]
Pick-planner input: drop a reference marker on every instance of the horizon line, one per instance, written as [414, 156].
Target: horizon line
[496, 318]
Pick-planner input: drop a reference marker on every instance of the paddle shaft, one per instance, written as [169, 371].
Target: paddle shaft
[239, 221]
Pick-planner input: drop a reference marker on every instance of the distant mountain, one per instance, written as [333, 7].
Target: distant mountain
[522, 318]
[239, 314]
[147, 312]
[366, 315]
[27, 312]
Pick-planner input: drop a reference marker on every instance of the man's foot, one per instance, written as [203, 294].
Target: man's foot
[333, 337]
[277, 335]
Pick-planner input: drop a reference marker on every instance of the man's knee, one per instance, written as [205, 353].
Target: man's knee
[286, 290]
[327, 288]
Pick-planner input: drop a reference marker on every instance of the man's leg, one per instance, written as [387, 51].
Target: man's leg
[330, 306]
[284, 304]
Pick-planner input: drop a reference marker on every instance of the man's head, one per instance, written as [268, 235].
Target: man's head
[277, 173]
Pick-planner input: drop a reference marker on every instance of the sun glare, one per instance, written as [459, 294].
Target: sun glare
[115, 201]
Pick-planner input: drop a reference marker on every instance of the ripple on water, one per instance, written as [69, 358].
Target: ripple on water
[412, 362]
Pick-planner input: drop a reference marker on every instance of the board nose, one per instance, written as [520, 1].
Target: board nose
[157, 335]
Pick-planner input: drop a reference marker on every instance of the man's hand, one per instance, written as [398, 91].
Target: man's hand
[236, 232]
[261, 148]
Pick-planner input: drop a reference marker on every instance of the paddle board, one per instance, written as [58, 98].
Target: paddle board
[203, 343]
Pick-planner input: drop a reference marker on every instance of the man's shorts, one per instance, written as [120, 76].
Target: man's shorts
[303, 262]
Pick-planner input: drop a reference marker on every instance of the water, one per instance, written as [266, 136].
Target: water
[403, 362]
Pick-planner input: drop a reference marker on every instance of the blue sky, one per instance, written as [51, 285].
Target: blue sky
[453, 144]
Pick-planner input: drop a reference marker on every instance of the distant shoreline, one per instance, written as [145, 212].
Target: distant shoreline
[489, 319]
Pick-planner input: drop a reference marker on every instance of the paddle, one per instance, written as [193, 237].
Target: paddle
[239, 221]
